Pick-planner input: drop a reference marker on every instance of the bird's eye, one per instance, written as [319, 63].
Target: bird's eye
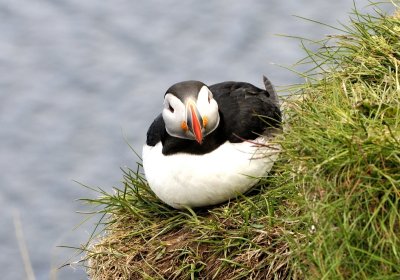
[170, 108]
[209, 97]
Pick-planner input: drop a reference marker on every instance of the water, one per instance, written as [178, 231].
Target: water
[76, 77]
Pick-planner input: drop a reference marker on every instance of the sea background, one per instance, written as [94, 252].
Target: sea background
[79, 80]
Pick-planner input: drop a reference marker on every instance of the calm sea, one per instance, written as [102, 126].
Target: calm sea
[77, 78]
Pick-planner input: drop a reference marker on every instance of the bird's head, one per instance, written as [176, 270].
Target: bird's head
[190, 111]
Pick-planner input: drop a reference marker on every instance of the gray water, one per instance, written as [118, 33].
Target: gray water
[77, 77]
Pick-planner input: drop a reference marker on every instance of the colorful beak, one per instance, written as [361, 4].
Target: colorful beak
[194, 121]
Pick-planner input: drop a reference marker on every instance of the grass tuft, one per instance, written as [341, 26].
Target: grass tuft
[329, 210]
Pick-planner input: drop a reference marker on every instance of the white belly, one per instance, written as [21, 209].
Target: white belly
[199, 180]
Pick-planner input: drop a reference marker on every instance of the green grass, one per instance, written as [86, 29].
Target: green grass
[329, 210]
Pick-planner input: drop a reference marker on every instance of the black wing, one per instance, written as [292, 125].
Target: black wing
[245, 110]
[156, 131]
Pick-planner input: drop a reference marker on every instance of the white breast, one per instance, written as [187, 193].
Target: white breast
[200, 180]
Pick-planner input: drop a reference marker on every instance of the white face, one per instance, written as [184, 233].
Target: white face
[180, 117]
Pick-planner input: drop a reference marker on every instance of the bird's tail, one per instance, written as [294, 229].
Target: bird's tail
[270, 89]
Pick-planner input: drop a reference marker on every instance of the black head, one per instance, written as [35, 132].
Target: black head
[186, 89]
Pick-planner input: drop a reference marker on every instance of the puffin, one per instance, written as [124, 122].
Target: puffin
[211, 143]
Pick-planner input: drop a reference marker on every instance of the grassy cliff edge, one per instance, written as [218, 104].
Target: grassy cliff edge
[329, 210]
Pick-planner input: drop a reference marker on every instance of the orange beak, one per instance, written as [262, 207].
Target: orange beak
[194, 121]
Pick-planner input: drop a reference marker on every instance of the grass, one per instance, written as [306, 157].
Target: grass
[329, 210]
[148, 240]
